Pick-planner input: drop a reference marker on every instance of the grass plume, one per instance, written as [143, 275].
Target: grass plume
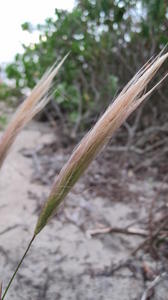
[126, 102]
[33, 104]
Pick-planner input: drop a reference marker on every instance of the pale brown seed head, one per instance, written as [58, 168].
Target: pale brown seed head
[27, 110]
[127, 101]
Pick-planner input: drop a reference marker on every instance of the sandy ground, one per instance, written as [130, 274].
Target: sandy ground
[64, 261]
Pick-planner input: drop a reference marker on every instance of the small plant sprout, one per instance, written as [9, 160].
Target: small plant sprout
[133, 94]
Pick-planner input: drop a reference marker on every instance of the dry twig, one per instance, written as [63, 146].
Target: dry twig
[129, 231]
[149, 291]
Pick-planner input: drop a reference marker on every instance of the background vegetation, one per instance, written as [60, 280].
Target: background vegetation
[108, 40]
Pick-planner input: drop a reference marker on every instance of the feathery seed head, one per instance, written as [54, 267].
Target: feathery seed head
[126, 102]
[34, 103]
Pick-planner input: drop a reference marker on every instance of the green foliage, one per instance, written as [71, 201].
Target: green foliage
[8, 93]
[67, 96]
[4, 91]
[3, 121]
[106, 39]
[27, 27]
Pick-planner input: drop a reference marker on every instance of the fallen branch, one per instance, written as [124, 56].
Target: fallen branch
[152, 285]
[150, 239]
[110, 270]
[129, 231]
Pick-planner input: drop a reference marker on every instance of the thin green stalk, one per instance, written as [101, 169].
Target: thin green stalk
[0, 291]
[18, 266]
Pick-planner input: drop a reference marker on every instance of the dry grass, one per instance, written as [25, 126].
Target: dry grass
[34, 103]
[127, 101]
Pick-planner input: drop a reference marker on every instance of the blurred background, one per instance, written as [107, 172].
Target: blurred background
[109, 41]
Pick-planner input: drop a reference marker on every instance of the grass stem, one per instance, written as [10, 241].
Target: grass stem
[18, 266]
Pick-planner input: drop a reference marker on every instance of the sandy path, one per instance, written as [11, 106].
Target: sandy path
[61, 262]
